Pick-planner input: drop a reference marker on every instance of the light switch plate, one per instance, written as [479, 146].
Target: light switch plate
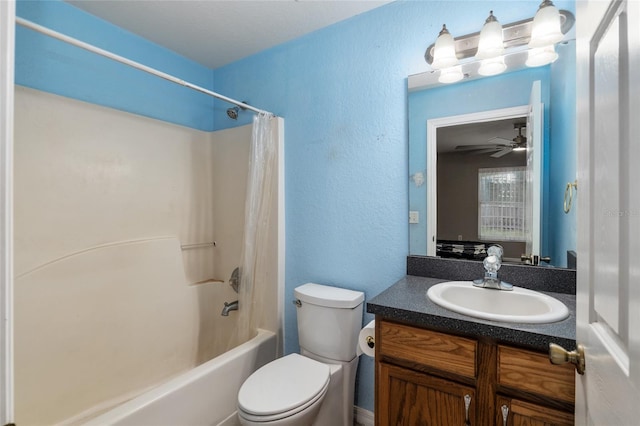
[413, 217]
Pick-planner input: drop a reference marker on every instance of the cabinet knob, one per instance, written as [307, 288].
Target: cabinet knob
[559, 355]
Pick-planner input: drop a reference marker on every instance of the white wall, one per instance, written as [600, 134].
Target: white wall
[103, 201]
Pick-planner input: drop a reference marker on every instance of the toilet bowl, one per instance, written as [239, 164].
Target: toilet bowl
[289, 390]
[315, 387]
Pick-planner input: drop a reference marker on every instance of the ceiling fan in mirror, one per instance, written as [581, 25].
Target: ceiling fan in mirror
[497, 146]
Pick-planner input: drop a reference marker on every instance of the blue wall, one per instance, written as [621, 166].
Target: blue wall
[342, 92]
[50, 65]
[563, 148]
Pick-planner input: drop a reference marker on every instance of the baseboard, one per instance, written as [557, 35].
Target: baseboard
[362, 417]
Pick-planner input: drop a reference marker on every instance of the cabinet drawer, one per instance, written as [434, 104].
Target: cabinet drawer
[438, 350]
[532, 372]
[526, 413]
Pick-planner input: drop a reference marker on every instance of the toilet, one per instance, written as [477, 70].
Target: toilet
[315, 387]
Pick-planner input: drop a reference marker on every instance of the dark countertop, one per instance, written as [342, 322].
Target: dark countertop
[407, 301]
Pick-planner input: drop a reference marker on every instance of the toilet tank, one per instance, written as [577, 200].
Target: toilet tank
[329, 320]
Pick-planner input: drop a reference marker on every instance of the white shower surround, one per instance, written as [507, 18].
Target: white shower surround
[123, 184]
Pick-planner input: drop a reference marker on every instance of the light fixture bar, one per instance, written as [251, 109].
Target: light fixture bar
[514, 59]
[515, 34]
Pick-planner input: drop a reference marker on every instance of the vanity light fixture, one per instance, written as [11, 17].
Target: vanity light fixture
[491, 47]
[491, 42]
[546, 27]
[488, 48]
[545, 33]
[444, 51]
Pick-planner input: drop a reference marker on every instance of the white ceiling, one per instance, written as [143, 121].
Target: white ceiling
[218, 32]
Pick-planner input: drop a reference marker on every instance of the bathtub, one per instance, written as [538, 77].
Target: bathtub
[205, 395]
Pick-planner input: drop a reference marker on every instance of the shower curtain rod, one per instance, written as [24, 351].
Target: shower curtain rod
[134, 64]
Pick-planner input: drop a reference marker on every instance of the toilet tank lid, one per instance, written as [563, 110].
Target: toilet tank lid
[330, 297]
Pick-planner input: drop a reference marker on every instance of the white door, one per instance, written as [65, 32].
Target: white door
[7, 26]
[533, 187]
[608, 299]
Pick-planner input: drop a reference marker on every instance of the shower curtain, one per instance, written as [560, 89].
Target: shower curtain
[258, 207]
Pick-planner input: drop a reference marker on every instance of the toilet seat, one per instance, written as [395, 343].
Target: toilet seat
[283, 388]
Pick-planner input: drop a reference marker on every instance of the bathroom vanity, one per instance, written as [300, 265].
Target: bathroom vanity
[437, 367]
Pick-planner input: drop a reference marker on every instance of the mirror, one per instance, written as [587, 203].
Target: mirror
[465, 154]
[506, 91]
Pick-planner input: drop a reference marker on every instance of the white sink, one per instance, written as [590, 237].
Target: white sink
[518, 305]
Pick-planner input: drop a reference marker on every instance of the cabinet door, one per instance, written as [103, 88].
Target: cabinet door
[407, 397]
[521, 413]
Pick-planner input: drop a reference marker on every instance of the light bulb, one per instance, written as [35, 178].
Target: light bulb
[545, 29]
[451, 74]
[491, 43]
[541, 56]
[492, 66]
[444, 51]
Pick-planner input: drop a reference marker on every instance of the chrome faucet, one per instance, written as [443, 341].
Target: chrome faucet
[233, 306]
[492, 263]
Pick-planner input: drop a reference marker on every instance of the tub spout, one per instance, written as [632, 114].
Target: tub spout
[233, 306]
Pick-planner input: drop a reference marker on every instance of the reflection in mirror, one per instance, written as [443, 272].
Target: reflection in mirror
[478, 163]
[500, 92]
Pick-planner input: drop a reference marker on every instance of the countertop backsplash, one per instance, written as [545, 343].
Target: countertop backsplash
[540, 278]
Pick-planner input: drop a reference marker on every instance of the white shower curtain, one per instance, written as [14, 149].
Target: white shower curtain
[258, 207]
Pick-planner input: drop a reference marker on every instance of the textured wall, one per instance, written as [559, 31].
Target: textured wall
[342, 91]
[562, 227]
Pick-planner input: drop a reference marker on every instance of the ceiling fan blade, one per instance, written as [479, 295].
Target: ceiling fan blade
[474, 147]
[500, 141]
[502, 152]
[483, 151]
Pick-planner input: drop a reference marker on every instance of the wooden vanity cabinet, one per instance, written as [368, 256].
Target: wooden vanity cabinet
[427, 377]
[414, 398]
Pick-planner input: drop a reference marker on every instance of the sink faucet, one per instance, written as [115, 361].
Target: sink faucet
[492, 263]
[233, 306]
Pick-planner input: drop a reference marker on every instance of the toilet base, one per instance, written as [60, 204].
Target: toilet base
[337, 407]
